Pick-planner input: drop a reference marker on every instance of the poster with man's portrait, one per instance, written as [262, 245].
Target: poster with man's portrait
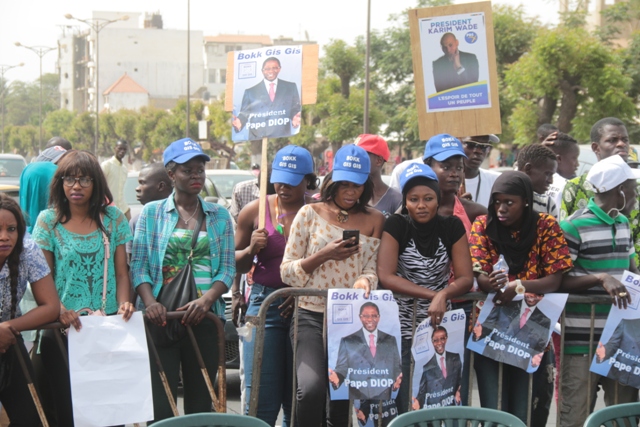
[455, 62]
[363, 345]
[517, 333]
[438, 353]
[266, 93]
[618, 353]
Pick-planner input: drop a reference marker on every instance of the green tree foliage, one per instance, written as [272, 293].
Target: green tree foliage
[571, 78]
[344, 61]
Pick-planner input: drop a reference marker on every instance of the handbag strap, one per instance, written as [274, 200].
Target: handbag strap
[107, 255]
[196, 231]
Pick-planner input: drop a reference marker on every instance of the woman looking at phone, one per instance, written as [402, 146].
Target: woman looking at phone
[317, 257]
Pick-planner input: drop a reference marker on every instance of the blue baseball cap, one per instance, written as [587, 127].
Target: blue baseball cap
[415, 170]
[441, 147]
[352, 164]
[183, 150]
[290, 165]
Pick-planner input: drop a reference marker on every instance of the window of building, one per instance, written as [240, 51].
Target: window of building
[212, 76]
[212, 49]
[223, 76]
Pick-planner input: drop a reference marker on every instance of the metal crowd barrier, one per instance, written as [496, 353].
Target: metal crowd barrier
[219, 401]
[259, 320]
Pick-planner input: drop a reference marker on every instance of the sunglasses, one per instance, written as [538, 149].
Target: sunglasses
[472, 145]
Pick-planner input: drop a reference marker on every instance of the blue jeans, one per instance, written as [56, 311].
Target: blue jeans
[276, 376]
[515, 386]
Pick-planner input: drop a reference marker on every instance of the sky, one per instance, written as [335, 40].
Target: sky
[39, 22]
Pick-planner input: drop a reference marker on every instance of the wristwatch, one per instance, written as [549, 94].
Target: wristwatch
[520, 290]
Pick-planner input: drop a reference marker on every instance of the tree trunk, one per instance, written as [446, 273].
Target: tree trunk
[547, 108]
[344, 87]
[568, 106]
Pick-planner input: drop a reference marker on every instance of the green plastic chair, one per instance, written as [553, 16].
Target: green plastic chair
[457, 416]
[212, 420]
[625, 414]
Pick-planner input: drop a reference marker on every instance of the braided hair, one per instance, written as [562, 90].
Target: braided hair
[13, 260]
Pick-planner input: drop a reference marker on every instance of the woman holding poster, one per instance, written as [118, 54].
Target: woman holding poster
[317, 256]
[537, 255]
[416, 253]
[292, 175]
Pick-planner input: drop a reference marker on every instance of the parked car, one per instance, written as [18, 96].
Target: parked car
[226, 179]
[587, 157]
[210, 193]
[12, 191]
[11, 166]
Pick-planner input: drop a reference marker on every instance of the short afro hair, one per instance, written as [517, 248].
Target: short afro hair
[596, 129]
[534, 154]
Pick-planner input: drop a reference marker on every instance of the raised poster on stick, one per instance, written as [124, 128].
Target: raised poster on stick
[618, 352]
[266, 101]
[455, 70]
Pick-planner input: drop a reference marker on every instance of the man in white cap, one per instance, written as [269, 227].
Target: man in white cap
[601, 245]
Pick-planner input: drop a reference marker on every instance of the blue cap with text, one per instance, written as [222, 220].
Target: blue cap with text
[415, 170]
[183, 150]
[290, 165]
[352, 164]
[441, 147]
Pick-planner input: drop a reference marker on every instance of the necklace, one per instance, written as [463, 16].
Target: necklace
[280, 226]
[186, 221]
[343, 214]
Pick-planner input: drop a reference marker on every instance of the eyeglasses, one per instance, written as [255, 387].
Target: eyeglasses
[70, 181]
[472, 145]
[369, 316]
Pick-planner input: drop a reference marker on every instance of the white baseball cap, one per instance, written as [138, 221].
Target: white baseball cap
[608, 173]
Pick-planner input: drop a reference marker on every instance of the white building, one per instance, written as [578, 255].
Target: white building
[154, 57]
[125, 94]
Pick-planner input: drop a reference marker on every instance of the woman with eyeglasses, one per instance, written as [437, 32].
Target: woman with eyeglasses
[78, 235]
[292, 179]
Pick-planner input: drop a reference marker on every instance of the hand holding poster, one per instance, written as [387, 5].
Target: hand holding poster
[364, 360]
[439, 358]
[110, 372]
[266, 93]
[618, 353]
[518, 332]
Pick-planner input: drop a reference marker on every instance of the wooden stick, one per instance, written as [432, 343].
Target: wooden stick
[32, 388]
[264, 165]
[203, 369]
[163, 376]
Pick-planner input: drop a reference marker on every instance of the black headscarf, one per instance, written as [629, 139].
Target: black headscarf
[425, 235]
[515, 252]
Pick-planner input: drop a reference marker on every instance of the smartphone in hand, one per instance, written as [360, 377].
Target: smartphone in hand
[348, 234]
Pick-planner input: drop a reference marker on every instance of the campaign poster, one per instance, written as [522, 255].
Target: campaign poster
[517, 333]
[266, 93]
[363, 345]
[455, 62]
[439, 358]
[618, 353]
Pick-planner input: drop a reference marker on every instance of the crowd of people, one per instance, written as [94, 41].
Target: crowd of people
[432, 235]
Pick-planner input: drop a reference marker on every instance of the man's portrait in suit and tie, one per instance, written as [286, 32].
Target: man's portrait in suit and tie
[513, 324]
[622, 353]
[441, 375]
[272, 107]
[454, 68]
[368, 360]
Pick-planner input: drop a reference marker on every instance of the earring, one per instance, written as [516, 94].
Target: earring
[526, 204]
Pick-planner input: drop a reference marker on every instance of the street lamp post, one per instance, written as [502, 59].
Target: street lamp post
[40, 51]
[97, 24]
[4, 69]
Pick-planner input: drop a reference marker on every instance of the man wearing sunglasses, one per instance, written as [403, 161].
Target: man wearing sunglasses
[478, 181]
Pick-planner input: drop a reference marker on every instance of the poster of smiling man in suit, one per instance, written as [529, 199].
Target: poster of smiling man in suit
[364, 361]
[266, 93]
